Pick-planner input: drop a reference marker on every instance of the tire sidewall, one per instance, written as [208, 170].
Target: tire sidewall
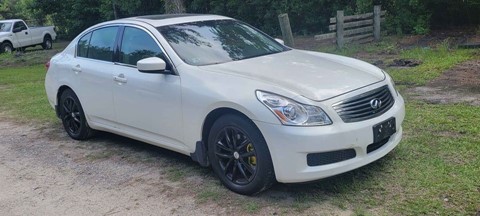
[264, 168]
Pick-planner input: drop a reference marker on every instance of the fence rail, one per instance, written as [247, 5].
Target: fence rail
[365, 27]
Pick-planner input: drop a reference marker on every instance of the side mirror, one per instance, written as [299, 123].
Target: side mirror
[16, 30]
[280, 41]
[152, 65]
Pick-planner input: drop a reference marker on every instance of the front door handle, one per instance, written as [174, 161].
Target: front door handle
[120, 78]
[77, 69]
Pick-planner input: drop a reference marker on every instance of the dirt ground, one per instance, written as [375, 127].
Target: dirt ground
[461, 84]
[44, 172]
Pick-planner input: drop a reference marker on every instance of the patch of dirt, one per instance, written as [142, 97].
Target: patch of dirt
[405, 63]
[461, 84]
[44, 172]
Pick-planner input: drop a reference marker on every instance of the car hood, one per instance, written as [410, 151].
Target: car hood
[317, 76]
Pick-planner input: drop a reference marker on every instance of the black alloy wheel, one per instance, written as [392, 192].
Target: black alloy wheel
[239, 155]
[73, 117]
[236, 155]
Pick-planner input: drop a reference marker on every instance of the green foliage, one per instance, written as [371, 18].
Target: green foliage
[306, 17]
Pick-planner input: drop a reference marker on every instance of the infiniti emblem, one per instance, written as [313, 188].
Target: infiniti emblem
[376, 103]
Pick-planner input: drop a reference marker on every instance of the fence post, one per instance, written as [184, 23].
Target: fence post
[340, 41]
[377, 9]
[286, 29]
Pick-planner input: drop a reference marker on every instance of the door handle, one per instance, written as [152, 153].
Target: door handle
[77, 69]
[120, 78]
[26, 33]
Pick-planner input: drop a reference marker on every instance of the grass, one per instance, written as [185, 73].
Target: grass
[434, 62]
[434, 171]
[22, 94]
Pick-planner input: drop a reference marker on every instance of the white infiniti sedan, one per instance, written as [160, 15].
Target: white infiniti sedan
[229, 96]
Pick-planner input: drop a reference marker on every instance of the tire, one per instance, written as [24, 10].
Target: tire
[47, 42]
[73, 116]
[242, 162]
[6, 47]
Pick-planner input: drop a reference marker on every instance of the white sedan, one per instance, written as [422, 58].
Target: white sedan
[229, 96]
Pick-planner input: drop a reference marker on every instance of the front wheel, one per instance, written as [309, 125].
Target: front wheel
[240, 156]
[6, 48]
[73, 117]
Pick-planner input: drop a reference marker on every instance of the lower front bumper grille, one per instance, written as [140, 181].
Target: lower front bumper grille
[324, 158]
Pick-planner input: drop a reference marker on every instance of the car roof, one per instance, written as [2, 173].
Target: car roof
[171, 19]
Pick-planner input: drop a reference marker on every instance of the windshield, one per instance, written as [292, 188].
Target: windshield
[5, 26]
[218, 41]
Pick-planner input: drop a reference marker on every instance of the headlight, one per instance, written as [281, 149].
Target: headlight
[391, 81]
[290, 112]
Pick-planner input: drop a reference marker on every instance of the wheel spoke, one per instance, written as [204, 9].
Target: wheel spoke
[223, 155]
[222, 146]
[243, 144]
[72, 104]
[227, 165]
[75, 126]
[234, 171]
[229, 142]
[248, 154]
[66, 109]
[247, 166]
[242, 171]
[234, 138]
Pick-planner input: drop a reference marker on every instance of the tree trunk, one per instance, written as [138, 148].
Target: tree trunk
[114, 6]
[174, 6]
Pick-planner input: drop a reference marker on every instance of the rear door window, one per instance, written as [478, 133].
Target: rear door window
[83, 43]
[102, 44]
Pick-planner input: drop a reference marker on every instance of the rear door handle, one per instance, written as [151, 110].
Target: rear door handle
[120, 78]
[77, 69]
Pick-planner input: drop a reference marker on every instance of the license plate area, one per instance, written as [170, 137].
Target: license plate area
[384, 129]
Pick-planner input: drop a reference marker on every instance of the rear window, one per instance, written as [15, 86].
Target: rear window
[98, 44]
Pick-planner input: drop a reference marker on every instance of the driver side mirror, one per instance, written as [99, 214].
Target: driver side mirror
[152, 65]
[280, 41]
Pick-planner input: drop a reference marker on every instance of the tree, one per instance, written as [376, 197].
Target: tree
[174, 6]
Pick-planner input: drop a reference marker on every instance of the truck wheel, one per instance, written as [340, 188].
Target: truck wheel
[6, 48]
[47, 42]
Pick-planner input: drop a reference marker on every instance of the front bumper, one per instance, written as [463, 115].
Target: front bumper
[289, 146]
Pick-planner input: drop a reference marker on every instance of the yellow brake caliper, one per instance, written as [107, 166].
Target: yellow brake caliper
[251, 160]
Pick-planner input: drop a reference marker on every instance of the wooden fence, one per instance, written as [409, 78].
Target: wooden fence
[354, 28]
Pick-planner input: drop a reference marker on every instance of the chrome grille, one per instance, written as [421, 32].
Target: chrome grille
[361, 107]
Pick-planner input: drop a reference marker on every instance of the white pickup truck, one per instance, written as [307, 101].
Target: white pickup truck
[15, 34]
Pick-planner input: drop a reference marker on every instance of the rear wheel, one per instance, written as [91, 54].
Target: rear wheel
[73, 117]
[47, 42]
[240, 156]
[6, 48]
